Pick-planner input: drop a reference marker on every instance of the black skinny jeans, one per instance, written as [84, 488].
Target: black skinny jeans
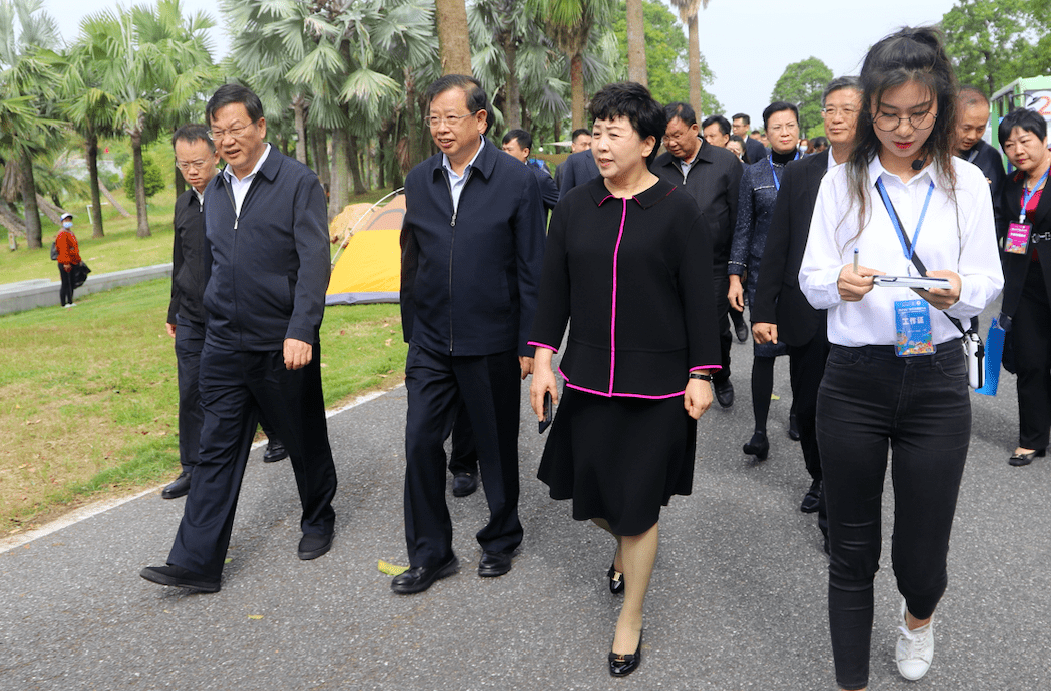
[920, 406]
[65, 288]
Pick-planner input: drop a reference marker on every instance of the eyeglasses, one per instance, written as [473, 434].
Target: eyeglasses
[778, 129]
[832, 112]
[886, 122]
[236, 132]
[676, 137]
[435, 121]
[191, 165]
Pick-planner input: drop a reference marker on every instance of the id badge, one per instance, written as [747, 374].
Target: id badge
[913, 318]
[1017, 241]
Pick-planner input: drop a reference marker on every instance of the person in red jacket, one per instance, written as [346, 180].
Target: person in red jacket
[68, 257]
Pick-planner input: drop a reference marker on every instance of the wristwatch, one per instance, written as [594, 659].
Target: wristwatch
[700, 375]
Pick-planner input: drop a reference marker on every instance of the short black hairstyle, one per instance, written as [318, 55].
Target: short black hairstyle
[191, 134]
[971, 95]
[846, 82]
[683, 111]
[743, 117]
[723, 123]
[633, 101]
[578, 133]
[476, 97]
[777, 107]
[1025, 119]
[234, 93]
[524, 139]
[816, 142]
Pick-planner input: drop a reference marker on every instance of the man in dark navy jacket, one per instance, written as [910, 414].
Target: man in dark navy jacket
[267, 231]
[472, 251]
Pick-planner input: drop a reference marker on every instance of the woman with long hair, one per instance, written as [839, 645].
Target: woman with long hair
[628, 266]
[902, 205]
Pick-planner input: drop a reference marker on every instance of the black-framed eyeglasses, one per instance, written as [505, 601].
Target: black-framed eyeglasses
[885, 122]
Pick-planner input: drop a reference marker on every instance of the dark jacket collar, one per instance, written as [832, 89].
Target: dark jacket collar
[645, 199]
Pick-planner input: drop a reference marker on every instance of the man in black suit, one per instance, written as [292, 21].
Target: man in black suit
[579, 168]
[518, 144]
[780, 311]
[712, 176]
[972, 118]
[579, 141]
[472, 249]
[753, 149]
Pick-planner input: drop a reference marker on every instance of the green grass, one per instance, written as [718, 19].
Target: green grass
[89, 395]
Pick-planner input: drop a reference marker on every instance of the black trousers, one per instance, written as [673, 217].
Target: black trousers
[1031, 329]
[806, 364]
[235, 386]
[870, 399]
[489, 386]
[65, 288]
[464, 456]
[189, 342]
[721, 284]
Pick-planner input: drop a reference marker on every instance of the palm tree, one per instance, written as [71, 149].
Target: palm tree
[29, 70]
[571, 23]
[501, 27]
[688, 10]
[636, 43]
[454, 42]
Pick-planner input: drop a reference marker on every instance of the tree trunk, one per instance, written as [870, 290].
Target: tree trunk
[412, 120]
[512, 111]
[695, 69]
[15, 226]
[91, 154]
[352, 162]
[113, 201]
[576, 88]
[636, 43]
[33, 230]
[142, 229]
[454, 45]
[45, 205]
[299, 108]
[180, 183]
[319, 145]
[338, 195]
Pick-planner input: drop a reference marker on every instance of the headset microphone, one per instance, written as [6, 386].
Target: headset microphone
[918, 164]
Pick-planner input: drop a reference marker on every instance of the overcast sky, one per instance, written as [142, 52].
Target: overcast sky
[748, 43]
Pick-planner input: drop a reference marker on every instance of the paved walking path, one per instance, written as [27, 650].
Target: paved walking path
[737, 600]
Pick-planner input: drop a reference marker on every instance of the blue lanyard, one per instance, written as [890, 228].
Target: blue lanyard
[1027, 194]
[908, 249]
[770, 160]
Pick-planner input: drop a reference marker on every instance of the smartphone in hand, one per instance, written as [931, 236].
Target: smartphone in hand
[549, 414]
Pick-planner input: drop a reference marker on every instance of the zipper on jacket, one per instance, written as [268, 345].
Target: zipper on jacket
[452, 243]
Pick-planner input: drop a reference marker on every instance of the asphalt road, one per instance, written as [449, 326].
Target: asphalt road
[737, 600]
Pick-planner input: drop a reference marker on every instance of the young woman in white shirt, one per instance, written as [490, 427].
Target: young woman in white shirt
[896, 375]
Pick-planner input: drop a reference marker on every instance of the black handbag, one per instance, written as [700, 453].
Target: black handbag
[78, 274]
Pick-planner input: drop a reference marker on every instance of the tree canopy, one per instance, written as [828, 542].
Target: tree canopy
[803, 83]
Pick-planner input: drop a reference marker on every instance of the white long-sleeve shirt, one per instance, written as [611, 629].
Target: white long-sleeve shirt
[960, 238]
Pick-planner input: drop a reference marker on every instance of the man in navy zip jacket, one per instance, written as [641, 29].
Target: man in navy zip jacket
[472, 251]
[266, 224]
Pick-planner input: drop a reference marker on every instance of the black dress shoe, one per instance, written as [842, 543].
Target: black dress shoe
[1020, 459]
[180, 577]
[742, 331]
[724, 393]
[464, 484]
[616, 580]
[313, 545]
[623, 665]
[758, 446]
[275, 451]
[494, 564]
[419, 578]
[812, 498]
[179, 488]
[793, 427]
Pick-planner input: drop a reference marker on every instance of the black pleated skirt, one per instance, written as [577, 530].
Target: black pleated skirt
[620, 459]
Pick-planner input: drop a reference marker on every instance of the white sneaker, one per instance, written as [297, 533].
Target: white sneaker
[72, 304]
[915, 649]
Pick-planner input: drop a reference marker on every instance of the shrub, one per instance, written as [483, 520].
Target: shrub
[153, 179]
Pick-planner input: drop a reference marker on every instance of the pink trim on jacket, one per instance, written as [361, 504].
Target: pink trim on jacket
[542, 345]
[613, 307]
[618, 395]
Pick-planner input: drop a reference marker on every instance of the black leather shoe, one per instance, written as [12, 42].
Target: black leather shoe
[179, 488]
[793, 427]
[419, 578]
[494, 564]
[812, 498]
[313, 545]
[1020, 459]
[724, 393]
[742, 330]
[180, 577]
[758, 446]
[464, 484]
[623, 665]
[275, 451]
[616, 580]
